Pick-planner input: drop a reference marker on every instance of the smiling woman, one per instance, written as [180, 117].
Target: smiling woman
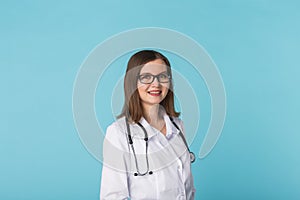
[141, 66]
[147, 135]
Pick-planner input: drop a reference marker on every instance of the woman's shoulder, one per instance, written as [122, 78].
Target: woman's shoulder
[118, 125]
[116, 133]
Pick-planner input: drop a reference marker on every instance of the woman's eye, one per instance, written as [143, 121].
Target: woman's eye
[145, 77]
[163, 76]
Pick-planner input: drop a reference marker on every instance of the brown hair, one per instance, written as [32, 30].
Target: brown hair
[132, 108]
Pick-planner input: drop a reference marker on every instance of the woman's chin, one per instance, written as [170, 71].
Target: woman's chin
[152, 103]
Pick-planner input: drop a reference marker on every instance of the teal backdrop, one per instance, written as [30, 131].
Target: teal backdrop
[254, 43]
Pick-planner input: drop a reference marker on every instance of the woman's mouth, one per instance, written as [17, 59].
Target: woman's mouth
[154, 92]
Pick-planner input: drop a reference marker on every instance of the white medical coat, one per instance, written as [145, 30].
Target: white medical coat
[167, 156]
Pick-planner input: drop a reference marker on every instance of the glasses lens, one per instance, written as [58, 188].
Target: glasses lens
[146, 78]
[163, 78]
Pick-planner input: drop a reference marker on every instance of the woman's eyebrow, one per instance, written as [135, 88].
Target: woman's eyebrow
[147, 73]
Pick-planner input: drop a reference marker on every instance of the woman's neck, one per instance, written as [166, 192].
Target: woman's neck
[151, 113]
[153, 116]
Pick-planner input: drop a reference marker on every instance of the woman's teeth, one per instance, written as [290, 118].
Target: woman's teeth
[154, 92]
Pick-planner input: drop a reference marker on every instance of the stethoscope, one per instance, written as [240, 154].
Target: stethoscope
[138, 173]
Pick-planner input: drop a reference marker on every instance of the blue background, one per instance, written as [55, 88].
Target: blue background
[254, 43]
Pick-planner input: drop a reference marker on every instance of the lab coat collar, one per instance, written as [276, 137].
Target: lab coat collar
[170, 128]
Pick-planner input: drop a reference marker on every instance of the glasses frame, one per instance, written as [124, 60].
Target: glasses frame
[153, 77]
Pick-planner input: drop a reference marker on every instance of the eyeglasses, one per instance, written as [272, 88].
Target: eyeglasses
[149, 78]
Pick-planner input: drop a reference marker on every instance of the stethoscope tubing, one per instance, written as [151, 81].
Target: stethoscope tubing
[192, 155]
[138, 173]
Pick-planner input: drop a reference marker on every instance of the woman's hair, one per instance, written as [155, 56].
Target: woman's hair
[132, 108]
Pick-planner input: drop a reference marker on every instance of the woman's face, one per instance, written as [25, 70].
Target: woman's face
[153, 93]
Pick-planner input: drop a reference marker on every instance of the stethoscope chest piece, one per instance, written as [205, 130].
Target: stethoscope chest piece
[192, 157]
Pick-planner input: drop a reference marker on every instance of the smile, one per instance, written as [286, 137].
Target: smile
[154, 92]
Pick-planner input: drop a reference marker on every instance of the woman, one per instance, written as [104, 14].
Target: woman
[145, 155]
